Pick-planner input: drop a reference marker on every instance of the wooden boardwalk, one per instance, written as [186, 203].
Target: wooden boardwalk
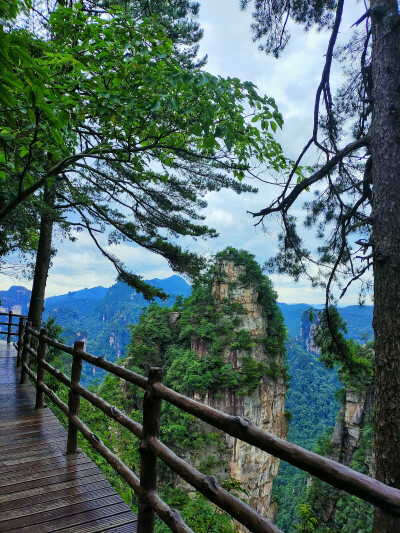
[42, 489]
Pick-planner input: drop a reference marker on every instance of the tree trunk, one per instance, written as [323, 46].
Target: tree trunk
[43, 258]
[385, 152]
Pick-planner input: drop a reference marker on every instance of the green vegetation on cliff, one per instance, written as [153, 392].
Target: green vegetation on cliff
[313, 410]
[329, 510]
[167, 340]
[335, 511]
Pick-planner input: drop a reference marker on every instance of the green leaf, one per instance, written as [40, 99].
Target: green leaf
[32, 116]
[53, 120]
[3, 176]
[273, 126]
[156, 106]
[197, 129]
[6, 137]
[219, 131]
[24, 151]
[56, 136]
[173, 104]
[38, 91]
[209, 142]
[63, 117]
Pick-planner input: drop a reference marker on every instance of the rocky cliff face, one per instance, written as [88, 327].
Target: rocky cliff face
[356, 404]
[265, 405]
[355, 408]
[223, 346]
[351, 445]
[307, 331]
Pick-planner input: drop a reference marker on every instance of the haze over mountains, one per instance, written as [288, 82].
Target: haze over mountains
[101, 314]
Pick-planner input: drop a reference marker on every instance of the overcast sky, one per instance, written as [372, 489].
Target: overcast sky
[292, 81]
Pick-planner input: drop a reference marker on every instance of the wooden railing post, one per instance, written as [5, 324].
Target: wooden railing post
[9, 327]
[20, 343]
[25, 353]
[74, 398]
[148, 460]
[41, 357]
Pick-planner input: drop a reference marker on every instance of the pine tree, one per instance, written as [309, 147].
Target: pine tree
[356, 209]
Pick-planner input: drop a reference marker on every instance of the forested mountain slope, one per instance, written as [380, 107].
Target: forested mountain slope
[83, 301]
[314, 398]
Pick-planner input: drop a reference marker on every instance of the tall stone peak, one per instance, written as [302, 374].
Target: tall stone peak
[307, 331]
[237, 288]
[224, 346]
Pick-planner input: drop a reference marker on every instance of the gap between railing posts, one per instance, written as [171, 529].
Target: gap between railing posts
[41, 358]
[25, 353]
[148, 459]
[20, 343]
[10, 315]
[74, 398]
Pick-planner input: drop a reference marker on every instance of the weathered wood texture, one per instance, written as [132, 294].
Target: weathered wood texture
[330, 471]
[148, 463]
[334, 473]
[41, 488]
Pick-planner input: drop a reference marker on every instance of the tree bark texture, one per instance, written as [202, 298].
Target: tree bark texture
[385, 153]
[42, 265]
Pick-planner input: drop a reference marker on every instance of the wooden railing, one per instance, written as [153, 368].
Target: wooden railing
[10, 325]
[152, 448]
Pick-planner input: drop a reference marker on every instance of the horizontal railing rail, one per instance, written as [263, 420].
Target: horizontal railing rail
[152, 448]
[10, 325]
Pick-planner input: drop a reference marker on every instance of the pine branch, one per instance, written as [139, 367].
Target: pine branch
[282, 204]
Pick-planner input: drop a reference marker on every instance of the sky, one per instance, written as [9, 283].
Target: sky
[292, 81]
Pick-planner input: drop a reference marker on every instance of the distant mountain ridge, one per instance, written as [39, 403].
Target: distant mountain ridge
[16, 299]
[93, 293]
[83, 301]
[104, 302]
[358, 319]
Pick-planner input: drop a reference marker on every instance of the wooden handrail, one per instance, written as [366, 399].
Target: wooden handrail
[148, 459]
[25, 352]
[328, 470]
[170, 516]
[332, 472]
[11, 325]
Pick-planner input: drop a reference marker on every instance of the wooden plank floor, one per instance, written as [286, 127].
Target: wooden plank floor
[42, 489]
